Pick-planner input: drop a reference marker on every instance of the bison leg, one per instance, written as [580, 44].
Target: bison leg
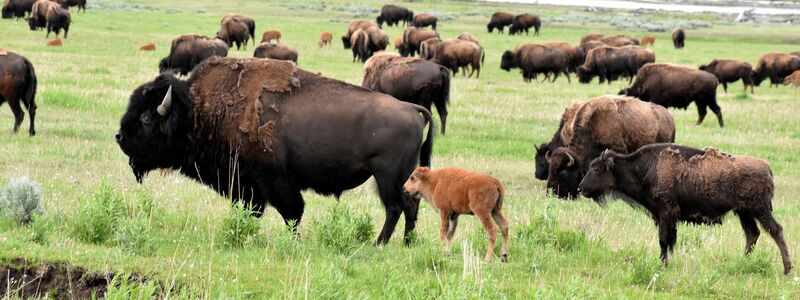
[451, 229]
[501, 221]
[444, 229]
[31, 107]
[486, 221]
[751, 231]
[391, 196]
[284, 196]
[717, 111]
[566, 73]
[19, 115]
[776, 231]
[701, 113]
[667, 233]
[725, 87]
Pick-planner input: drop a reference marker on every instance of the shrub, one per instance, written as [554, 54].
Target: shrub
[645, 270]
[239, 227]
[134, 236]
[342, 230]
[21, 200]
[99, 215]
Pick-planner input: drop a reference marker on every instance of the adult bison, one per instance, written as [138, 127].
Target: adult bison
[413, 37]
[412, 80]
[678, 37]
[427, 49]
[591, 37]
[235, 30]
[355, 25]
[38, 16]
[775, 66]
[393, 15]
[563, 133]
[643, 55]
[368, 41]
[56, 19]
[187, 51]
[254, 130]
[619, 40]
[246, 20]
[455, 54]
[607, 122]
[677, 86]
[609, 64]
[728, 70]
[18, 84]
[574, 59]
[425, 20]
[534, 59]
[499, 21]
[81, 4]
[678, 183]
[277, 51]
[524, 22]
[17, 8]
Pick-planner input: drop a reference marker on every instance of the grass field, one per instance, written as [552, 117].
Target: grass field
[172, 229]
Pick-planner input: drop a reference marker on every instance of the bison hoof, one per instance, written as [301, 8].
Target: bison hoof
[504, 258]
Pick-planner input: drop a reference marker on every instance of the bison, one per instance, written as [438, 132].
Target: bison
[234, 32]
[563, 133]
[648, 40]
[534, 59]
[499, 21]
[466, 36]
[643, 55]
[411, 80]
[609, 64]
[325, 38]
[56, 42]
[591, 37]
[427, 49]
[148, 47]
[412, 37]
[793, 79]
[254, 130]
[355, 25]
[368, 41]
[393, 15]
[277, 51]
[425, 20]
[678, 37]
[677, 183]
[66, 4]
[18, 84]
[677, 86]
[16, 8]
[524, 22]
[38, 16]
[187, 51]
[607, 122]
[247, 21]
[270, 35]
[455, 54]
[619, 40]
[728, 70]
[775, 66]
[454, 192]
[574, 59]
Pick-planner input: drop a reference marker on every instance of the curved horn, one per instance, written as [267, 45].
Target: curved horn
[547, 155]
[571, 159]
[166, 104]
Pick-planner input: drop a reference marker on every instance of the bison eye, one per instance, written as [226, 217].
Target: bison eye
[145, 118]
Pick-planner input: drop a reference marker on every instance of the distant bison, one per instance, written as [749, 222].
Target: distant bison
[609, 64]
[81, 4]
[466, 36]
[56, 42]
[187, 51]
[413, 37]
[793, 79]
[574, 59]
[234, 32]
[393, 15]
[607, 122]
[499, 21]
[148, 47]
[591, 37]
[18, 84]
[252, 130]
[247, 21]
[16, 8]
[427, 49]
[648, 40]
[355, 25]
[455, 54]
[677, 183]
[270, 35]
[425, 20]
[38, 16]
[678, 37]
[368, 41]
[728, 70]
[677, 86]
[643, 55]
[619, 40]
[534, 59]
[277, 51]
[775, 66]
[325, 38]
[524, 22]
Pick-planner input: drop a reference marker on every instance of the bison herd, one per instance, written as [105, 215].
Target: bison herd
[260, 130]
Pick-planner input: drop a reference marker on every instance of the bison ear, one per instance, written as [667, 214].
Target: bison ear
[422, 172]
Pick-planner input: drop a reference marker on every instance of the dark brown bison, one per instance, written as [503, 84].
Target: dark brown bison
[677, 183]
[524, 22]
[393, 15]
[607, 122]
[728, 70]
[58, 19]
[234, 32]
[277, 51]
[775, 66]
[355, 25]
[584, 49]
[253, 130]
[81, 4]
[368, 41]
[591, 37]
[609, 64]
[562, 135]
[18, 84]
[676, 86]
[17, 8]
[38, 16]
[534, 59]
[425, 20]
[411, 80]
[187, 51]
[499, 21]
[247, 21]
[427, 49]
[455, 54]
[643, 55]
[619, 40]
[574, 59]
[678, 37]
[412, 37]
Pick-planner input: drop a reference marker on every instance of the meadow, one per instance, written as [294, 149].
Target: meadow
[190, 243]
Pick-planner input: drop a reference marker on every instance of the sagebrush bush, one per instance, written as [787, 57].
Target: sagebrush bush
[99, 215]
[239, 227]
[342, 230]
[21, 200]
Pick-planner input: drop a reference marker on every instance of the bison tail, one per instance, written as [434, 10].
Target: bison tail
[427, 145]
[445, 85]
[501, 194]
[483, 55]
[30, 90]
[253, 32]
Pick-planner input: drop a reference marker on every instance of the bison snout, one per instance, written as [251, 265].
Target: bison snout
[118, 137]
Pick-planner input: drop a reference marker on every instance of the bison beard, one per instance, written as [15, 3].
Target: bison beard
[253, 130]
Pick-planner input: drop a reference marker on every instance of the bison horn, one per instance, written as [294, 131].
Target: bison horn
[571, 159]
[547, 155]
[166, 104]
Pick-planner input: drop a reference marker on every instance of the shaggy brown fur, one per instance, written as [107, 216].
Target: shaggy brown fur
[425, 20]
[189, 50]
[466, 36]
[378, 39]
[571, 52]
[18, 84]
[499, 21]
[677, 183]
[775, 66]
[559, 139]
[678, 37]
[56, 42]
[234, 32]
[427, 49]
[38, 16]
[277, 51]
[609, 64]
[728, 70]
[455, 54]
[643, 55]
[413, 37]
[148, 47]
[359, 42]
[619, 40]
[269, 36]
[793, 79]
[524, 22]
[355, 25]
[608, 122]
[535, 59]
[648, 40]
[591, 37]
[247, 21]
[454, 192]
[325, 38]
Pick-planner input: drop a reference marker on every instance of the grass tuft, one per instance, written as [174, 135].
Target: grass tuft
[99, 215]
[239, 227]
[342, 230]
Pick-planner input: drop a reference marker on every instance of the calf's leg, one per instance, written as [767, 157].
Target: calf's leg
[444, 228]
[776, 231]
[486, 220]
[451, 229]
[501, 221]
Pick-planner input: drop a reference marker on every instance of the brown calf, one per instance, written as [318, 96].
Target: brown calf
[325, 38]
[648, 40]
[793, 79]
[454, 192]
[148, 47]
[55, 42]
[268, 36]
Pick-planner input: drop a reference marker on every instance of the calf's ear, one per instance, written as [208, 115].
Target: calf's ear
[422, 172]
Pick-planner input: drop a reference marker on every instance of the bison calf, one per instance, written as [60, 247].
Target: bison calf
[793, 79]
[56, 42]
[678, 183]
[268, 36]
[648, 40]
[454, 192]
[325, 38]
[148, 47]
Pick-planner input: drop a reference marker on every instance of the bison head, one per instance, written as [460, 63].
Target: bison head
[489, 27]
[564, 173]
[600, 177]
[542, 155]
[758, 77]
[703, 67]
[413, 186]
[628, 92]
[585, 75]
[154, 131]
[507, 61]
[379, 20]
[32, 23]
[8, 13]
[346, 41]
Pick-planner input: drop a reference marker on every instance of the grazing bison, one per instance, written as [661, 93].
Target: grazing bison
[38, 16]
[609, 64]
[17, 8]
[584, 49]
[66, 4]
[728, 70]
[454, 192]
[412, 37]
[574, 59]
[524, 22]
[648, 40]
[411, 80]
[619, 40]
[18, 84]
[678, 183]
[252, 129]
[678, 37]
[56, 42]
[355, 25]
[427, 49]
[277, 51]
[325, 38]
[534, 59]
[591, 37]
[233, 31]
[563, 133]
[425, 20]
[270, 35]
[499, 21]
[247, 21]
[393, 15]
[677, 86]
[793, 79]
[187, 51]
[466, 36]
[57, 19]
[622, 124]
[148, 47]
[455, 53]
[775, 66]
[368, 41]
[643, 55]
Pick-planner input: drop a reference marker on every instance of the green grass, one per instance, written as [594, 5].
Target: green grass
[558, 249]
